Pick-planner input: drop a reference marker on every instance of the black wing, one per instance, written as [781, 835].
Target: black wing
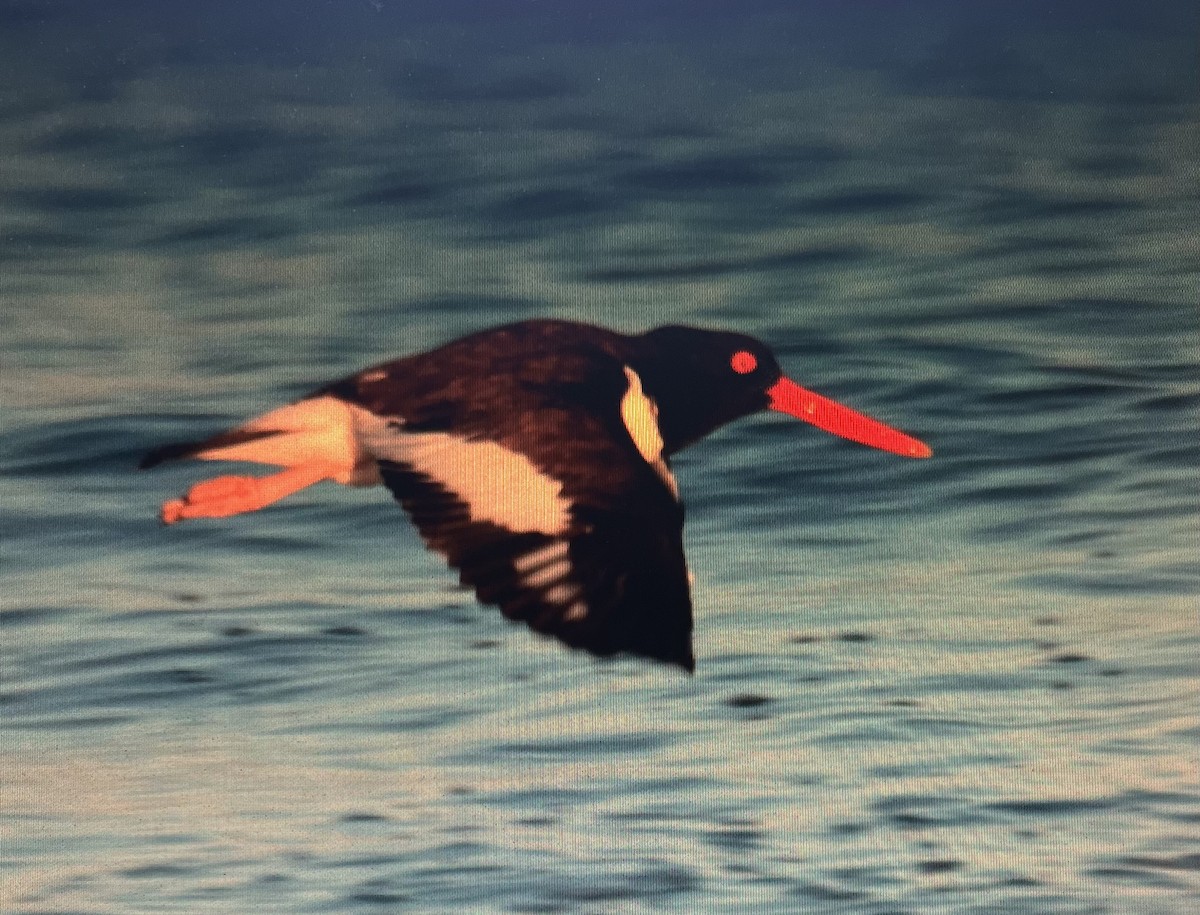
[615, 581]
[535, 491]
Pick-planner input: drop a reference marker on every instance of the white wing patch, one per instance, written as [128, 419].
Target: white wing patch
[640, 415]
[496, 484]
[547, 569]
[544, 565]
[543, 556]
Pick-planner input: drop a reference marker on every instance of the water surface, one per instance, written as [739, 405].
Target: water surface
[962, 685]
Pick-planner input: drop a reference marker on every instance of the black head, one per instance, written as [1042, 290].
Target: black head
[702, 379]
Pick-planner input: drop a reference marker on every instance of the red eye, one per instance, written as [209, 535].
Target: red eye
[743, 362]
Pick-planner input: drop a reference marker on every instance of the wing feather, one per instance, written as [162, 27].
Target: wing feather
[536, 492]
[614, 581]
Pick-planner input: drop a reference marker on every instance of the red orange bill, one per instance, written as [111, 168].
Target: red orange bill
[788, 397]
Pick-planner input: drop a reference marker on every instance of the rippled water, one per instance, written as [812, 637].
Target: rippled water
[962, 685]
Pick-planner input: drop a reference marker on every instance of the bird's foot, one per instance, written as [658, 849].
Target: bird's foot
[216, 498]
[221, 497]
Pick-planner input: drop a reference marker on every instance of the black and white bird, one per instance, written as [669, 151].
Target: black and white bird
[534, 457]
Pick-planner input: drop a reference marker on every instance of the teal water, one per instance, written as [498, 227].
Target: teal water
[962, 685]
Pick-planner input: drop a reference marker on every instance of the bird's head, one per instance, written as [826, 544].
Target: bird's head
[702, 379]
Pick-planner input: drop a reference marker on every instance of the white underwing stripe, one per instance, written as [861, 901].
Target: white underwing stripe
[549, 568]
[640, 415]
[496, 484]
[535, 559]
[561, 594]
[548, 574]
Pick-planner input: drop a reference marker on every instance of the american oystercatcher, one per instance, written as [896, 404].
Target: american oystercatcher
[535, 458]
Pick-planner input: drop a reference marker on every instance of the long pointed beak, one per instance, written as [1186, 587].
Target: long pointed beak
[788, 397]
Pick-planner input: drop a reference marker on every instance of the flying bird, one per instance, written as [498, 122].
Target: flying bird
[535, 457]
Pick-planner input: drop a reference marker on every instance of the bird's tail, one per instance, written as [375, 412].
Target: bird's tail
[203, 448]
[313, 439]
[312, 430]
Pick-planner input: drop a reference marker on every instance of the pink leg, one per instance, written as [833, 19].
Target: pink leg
[233, 495]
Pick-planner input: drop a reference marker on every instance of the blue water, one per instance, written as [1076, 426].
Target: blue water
[968, 684]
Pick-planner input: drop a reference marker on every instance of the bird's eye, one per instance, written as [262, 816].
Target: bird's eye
[743, 362]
